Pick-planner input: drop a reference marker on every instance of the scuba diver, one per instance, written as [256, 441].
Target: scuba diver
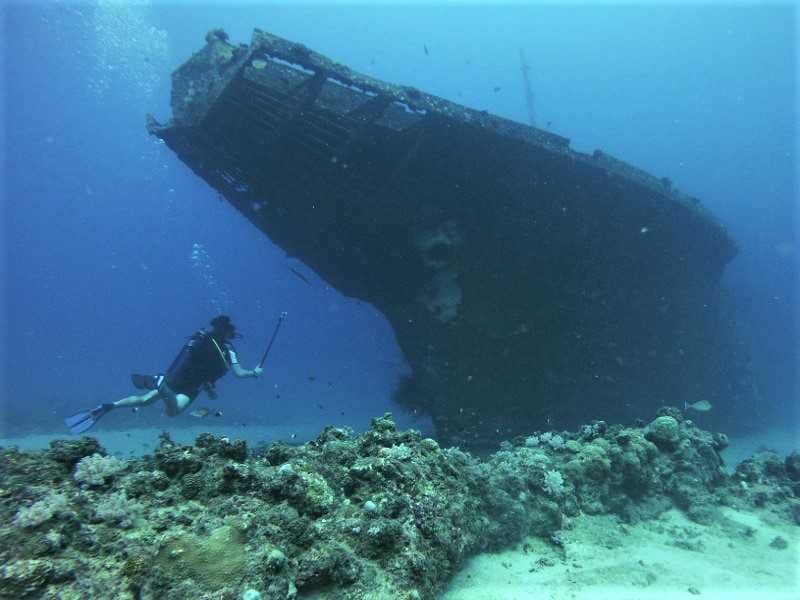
[207, 356]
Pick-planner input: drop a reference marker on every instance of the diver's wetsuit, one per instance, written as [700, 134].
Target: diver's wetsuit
[202, 361]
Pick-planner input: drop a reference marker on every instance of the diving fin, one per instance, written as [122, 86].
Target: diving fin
[84, 420]
[147, 382]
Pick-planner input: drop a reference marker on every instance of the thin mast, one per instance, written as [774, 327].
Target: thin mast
[527, 88]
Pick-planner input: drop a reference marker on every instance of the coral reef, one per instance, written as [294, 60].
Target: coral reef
[385, 514]
[97, 469]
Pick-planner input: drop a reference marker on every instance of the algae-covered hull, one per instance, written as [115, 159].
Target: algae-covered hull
[524, 280]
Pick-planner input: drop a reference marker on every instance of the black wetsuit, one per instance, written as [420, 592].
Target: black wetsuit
[202, 361]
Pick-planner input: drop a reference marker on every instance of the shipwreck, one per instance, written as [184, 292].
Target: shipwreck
[530, 286]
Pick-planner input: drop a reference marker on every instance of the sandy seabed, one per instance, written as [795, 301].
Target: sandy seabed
[665, 559]
[139, 441]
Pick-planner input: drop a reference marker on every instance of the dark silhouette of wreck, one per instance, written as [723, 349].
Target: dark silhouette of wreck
[530, 286]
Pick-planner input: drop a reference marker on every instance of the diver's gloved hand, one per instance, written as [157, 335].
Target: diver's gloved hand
[257, 371]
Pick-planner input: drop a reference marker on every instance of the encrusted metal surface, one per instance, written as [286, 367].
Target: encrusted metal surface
[514, 270]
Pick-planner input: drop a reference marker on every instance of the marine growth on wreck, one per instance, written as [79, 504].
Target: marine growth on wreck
[509, 265]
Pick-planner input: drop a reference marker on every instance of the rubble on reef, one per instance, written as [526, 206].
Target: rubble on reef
[384, 514]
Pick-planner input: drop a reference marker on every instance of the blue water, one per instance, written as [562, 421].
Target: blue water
[114, 250]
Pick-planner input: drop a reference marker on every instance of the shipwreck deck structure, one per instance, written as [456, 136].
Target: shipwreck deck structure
[530, 286]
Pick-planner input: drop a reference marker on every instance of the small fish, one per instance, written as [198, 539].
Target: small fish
[217, 413]
[292, 436]
[300, 275]
[199, 413]
[311, 378]
[425, 47]
[699, 406]
[135, 409]
[497, 89]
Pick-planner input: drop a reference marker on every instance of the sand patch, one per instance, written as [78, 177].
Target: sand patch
[664, 559]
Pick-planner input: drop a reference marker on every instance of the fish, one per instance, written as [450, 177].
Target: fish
[217, 413]
[300, 275]
[425, 47]
[199, 413]
[497, 88]
[699, 406]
